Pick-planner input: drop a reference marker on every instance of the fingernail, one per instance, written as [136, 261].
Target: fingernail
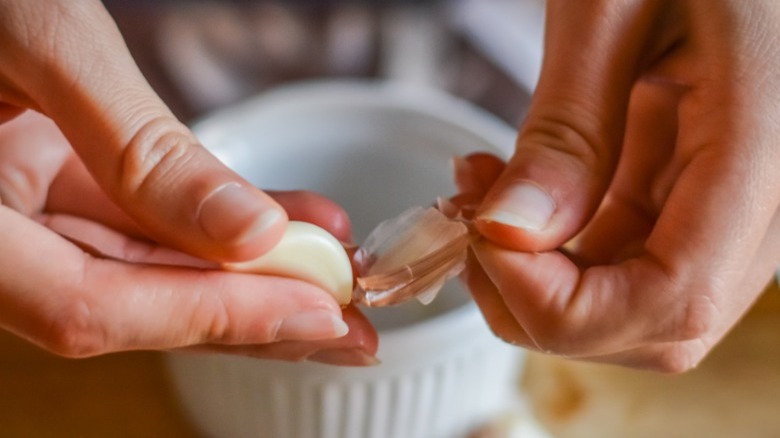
[345, 357]
[521, 205]
[234, 214]
[311, 326]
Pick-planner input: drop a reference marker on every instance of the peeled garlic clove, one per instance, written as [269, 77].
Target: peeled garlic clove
[309, 253]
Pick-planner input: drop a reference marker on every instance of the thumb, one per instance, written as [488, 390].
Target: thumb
[69, 61]
[568, 147]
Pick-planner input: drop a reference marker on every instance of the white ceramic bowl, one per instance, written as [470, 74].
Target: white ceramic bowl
[377, 149]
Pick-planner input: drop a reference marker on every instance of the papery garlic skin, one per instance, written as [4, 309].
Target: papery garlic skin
[309, 253]
[410, 256]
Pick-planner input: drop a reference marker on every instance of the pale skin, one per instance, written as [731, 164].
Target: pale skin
[89, 154]
[651, 155]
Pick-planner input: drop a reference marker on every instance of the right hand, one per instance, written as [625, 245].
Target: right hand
[639, 216]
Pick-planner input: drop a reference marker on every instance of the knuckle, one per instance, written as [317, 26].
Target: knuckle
[569, 330]
[576, 136]
[698, 317]
[75, 332]
[509, 336]
[20, 185]
[678, 358]
[9, 190]
[557, 338]
[159, 150]
[548, 341]
[673, 362]
[211, 320]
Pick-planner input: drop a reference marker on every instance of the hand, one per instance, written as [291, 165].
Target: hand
[137, 184]
[638, 219]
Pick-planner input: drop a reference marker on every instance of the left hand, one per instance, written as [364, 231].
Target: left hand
[42, 178]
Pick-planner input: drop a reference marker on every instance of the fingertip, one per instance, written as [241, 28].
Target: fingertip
[476, 172]
[311, 326]
[355, 357]
[358, 348]
[363, 333]
[517, 216]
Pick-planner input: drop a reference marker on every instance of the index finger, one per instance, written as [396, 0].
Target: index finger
[60, 298]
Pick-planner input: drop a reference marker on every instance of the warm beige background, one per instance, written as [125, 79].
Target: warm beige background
[735, 392]
[120, 395]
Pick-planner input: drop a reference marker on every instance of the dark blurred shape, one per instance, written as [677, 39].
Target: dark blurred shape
[202, 55]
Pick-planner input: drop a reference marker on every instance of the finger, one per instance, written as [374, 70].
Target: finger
[477, 172]
[677, 357]
[670, 357]
[598, 311]
[74, 192]
[605, 310]
[147, 162]
[32, 151]
[502, 322]
[568, 147]
[102, 241]
[316, 209]
[41, 173]
[357, 348]
[107, 232]
[642, 180]
[474, 174]
[58, 297]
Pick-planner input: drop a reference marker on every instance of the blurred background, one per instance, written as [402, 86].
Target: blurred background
[201, 55]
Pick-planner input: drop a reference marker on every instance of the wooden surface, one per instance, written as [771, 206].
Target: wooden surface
[120, 395]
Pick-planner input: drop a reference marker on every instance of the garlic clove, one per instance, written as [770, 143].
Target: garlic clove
[309, 253]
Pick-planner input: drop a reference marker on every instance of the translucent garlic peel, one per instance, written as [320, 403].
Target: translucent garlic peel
[422, 280]
[410, 256]
[309, 253]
